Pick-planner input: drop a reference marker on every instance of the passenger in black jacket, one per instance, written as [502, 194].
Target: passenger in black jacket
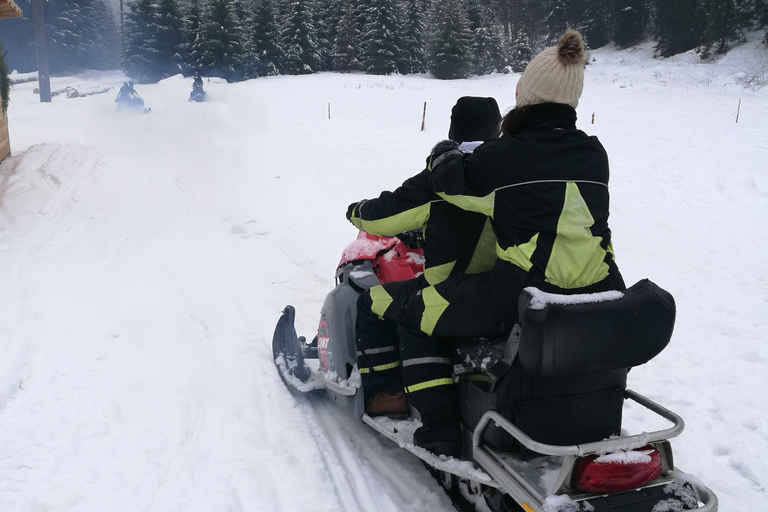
[544, 185]
[455, 241]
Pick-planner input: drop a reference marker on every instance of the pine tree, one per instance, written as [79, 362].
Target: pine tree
[167, 42]
[527, 15]
[80, 34]
[414, 39]
[449, 46]
[220, 43]
[63, 35]
[678, 26]
[191, 33]
[139, 28]
[102, 40]
[521, 52]
[594, 26]
[487, 47]
[302, 56]
[628, 22]
[725, 20]
[346, 47]
[556, 22]
[381, 38]
[326, 16]
[761, 17]
[265, 39]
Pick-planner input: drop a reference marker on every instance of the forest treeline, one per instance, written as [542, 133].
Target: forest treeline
[240, 39]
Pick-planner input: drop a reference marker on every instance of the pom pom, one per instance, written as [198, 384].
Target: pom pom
[570, 48]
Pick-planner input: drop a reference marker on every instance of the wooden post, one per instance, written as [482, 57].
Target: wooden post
[738, 109]
[424, 116]
[43, 79]
[593, 118]
[329, 110]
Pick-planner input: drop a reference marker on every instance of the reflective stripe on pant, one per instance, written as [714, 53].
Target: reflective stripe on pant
[459, 307]
[378, 353]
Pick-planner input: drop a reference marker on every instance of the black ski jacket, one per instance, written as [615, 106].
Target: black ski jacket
[545, 188]
[455, 241]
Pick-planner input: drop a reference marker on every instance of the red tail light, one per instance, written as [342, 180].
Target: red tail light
[617, 472]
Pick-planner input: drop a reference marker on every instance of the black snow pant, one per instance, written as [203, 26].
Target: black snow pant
[378, 348]
[461, 307]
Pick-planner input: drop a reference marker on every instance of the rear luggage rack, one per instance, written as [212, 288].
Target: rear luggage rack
[530, 492]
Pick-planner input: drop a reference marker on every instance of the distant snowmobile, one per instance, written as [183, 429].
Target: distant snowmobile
[541, 411]
[197, 94]
[128, 100]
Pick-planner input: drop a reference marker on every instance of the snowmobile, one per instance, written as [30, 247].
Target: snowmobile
[541, 410]
[197, 94]
[133, 107]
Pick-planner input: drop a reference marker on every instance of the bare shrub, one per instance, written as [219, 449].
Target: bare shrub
[752, 81]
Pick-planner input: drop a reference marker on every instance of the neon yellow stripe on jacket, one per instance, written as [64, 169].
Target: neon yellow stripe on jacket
[577, 258]
[485, 251]
[519, 255]
[472, 203]
[395, 224]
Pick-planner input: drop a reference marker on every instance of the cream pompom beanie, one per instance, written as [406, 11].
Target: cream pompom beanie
[556, 75]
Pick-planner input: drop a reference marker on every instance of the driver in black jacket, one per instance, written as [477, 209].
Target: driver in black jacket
[455, 241]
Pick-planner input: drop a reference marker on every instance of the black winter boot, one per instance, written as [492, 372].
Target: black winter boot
[442, 438]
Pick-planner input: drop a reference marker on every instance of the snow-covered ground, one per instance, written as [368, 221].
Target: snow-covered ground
[144, 261]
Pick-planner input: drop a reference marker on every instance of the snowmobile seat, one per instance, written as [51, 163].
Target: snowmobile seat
[571, 334]
[566, 385]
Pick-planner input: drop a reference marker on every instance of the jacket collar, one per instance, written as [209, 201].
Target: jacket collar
[549, 116]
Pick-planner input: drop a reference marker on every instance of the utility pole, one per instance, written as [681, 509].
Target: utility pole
[122, 21]
[43, 79]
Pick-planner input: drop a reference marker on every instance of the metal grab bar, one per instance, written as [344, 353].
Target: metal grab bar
[582, 449]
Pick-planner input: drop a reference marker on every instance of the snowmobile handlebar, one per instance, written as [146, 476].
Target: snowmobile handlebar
[580, 450]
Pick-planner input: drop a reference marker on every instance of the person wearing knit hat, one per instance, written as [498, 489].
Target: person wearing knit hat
[544, 186]
[556, 75]
[455, 241]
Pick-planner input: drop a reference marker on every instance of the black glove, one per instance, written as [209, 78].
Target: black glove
[351, 210]
[413, 238]
[443, 151]
[444, 145]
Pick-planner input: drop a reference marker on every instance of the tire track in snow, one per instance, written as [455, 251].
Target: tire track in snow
[370, 472]
[185, 450]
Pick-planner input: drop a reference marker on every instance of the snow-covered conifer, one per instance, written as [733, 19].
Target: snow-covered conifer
[677, 28]
[346, 47]
[381, 38]
[556, 22]
[299, 37]
[414, 38]
[326, 15]
[520, 52]
[166, 44]
[450, 40]
[138, 61]
[628, 22]
[266, 39]
[220, 42]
